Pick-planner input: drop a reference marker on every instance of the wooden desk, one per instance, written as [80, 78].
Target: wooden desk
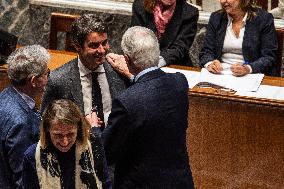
[58, 58]
[236, 142]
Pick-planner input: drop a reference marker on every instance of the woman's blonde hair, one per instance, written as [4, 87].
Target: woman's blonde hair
[249, 6]
[64, 112]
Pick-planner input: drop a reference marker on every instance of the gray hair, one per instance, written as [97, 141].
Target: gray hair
[26, 62]
[84, 25]
[141, 46]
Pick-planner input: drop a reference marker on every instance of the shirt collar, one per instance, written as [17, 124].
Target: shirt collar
[230, 19]
[27, 99]
[85, 71]
[144, 72]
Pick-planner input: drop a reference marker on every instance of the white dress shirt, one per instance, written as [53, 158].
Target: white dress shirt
[86, 82]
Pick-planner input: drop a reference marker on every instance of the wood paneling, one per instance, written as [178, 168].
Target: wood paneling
[234, 143]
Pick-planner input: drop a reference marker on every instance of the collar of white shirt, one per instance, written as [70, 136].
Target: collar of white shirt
[230, 20]
[144, 72]
[85, 71]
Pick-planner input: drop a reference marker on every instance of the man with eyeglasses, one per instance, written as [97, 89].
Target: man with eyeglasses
[87, 80]
[19, 121]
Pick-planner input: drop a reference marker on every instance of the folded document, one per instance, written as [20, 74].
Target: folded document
[191, 76]
[249, 82]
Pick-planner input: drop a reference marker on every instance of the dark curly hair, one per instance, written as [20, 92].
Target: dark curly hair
[84, 25]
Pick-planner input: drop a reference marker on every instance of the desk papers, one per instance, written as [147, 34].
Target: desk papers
[249, 82]
[248, 85]
[265, 91]
[191, 76]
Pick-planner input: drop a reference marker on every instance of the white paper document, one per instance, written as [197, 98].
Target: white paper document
[249, 82]
[191, 76]
[226, 69]
[265, 91]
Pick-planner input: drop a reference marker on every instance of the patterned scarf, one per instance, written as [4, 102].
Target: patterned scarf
[161, 18]
[49, 173]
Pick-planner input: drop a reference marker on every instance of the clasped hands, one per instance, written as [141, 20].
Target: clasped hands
[238, 69]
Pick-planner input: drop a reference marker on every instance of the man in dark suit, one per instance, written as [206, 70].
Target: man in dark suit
[87, 80]
[19, 121]
[146, 135]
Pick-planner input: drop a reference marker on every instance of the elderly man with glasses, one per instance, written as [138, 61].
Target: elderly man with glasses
[19, 121]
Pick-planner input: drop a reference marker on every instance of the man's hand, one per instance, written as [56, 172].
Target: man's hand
[239, 69]
[118, 63]
[94, 120]
[215, 67]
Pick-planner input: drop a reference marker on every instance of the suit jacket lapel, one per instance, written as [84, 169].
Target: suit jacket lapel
[75, 84]
[221, 35]
[251, 28]
[150, 22]
[115, 83]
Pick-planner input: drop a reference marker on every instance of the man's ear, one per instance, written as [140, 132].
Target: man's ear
[108, 47]
[77, 47]
[33, 81]
[127, 59]
[134, 69]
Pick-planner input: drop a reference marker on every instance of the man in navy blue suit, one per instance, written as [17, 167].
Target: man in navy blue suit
[19, 121]
[146, 133]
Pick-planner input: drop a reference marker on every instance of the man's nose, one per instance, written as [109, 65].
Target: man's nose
[101, 49]
[65, 141]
